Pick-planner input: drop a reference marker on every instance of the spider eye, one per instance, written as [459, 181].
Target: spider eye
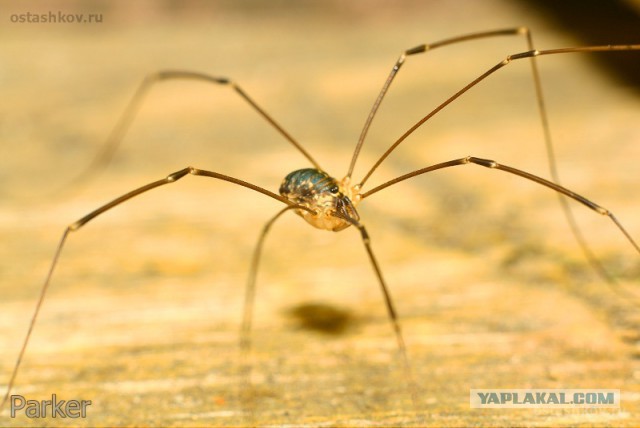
[334, 189]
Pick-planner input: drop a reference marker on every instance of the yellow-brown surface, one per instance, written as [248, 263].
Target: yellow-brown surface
[144, 309]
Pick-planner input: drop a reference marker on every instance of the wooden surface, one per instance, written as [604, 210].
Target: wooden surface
[144, 310]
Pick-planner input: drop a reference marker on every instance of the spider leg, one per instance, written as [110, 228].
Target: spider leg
[508, 60]
[250, 292]
[425, 48]
[393, 316]
[491, 164]
[247, 316]
[106, 207]
[124, 122]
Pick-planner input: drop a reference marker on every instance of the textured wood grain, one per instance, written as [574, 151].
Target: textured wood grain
[143, 314]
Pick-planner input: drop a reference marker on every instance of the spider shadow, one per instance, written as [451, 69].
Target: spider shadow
[322, 318]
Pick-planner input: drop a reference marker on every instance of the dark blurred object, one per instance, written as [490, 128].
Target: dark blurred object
[600, 22]
[322, 318]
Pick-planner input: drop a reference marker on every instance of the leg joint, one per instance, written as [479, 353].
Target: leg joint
[487, 163]
[179, 174]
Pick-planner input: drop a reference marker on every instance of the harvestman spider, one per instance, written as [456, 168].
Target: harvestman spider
[325, 202]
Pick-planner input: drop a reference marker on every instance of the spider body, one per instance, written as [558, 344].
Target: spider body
[332, 203]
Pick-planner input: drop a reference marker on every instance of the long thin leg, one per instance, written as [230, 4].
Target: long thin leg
[95, 213]
[250, 292]
[555, 175]
[421, 49]
[494, 165]
[508, 60]
[393, 317]
[249, 298]
[122, 126]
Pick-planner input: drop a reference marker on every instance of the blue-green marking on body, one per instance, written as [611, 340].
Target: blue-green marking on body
[306, 184]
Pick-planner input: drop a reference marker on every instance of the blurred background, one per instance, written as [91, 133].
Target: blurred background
[492, 290]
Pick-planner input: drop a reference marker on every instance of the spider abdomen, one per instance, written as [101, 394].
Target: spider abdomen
[309, 185]
[323, 194]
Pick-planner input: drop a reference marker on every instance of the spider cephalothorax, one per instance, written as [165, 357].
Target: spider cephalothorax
[332, 202]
